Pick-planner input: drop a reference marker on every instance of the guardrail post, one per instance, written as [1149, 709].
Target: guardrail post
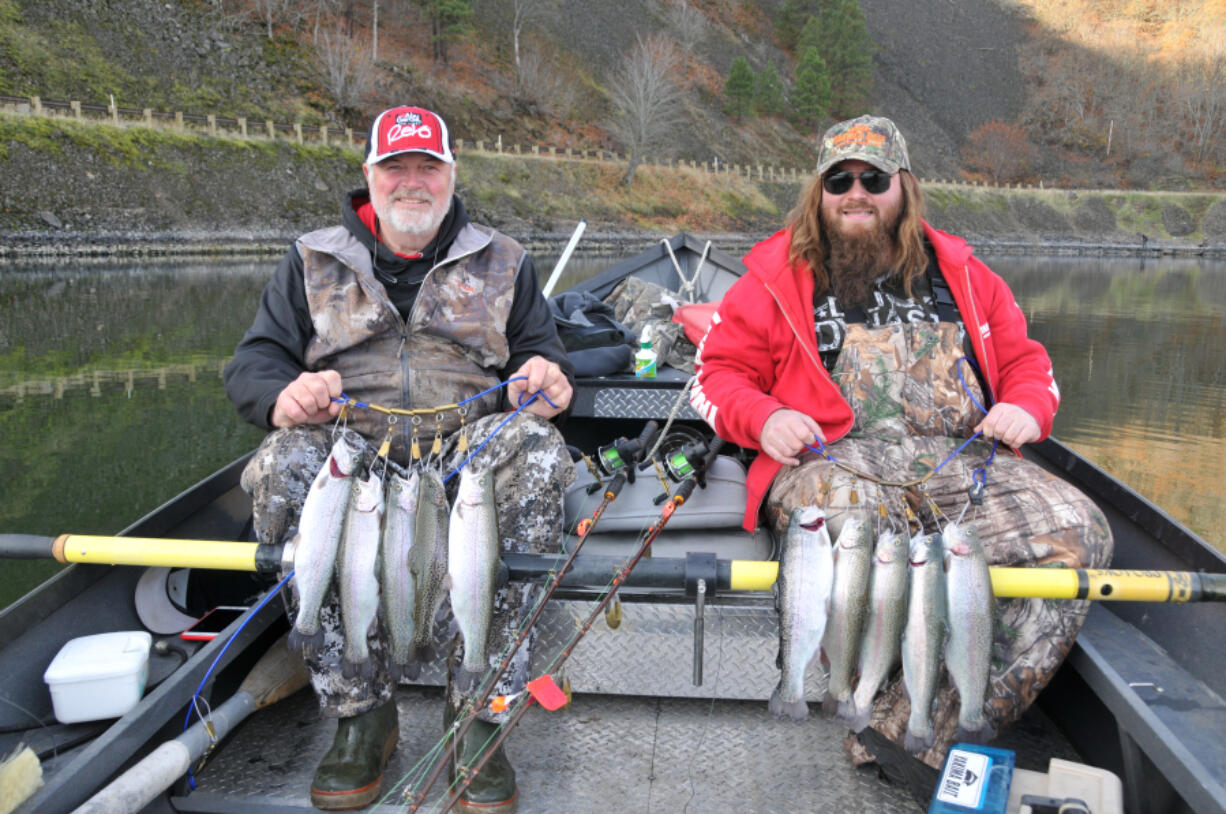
[272, 130]
[147, 115]
[349, 136]
[212, 119]
[323, 134]
[242, 126]
[36, 105]
[76, 109]
[536, 149]
[179, 119]
[114, 110]
[480, 145]
[298, 131]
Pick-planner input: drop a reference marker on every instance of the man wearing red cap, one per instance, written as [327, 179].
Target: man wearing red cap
[406, 305]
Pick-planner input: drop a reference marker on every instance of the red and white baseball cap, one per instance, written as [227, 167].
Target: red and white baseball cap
[408, 130]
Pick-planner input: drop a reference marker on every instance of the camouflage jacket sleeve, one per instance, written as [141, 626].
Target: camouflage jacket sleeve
[530, 327]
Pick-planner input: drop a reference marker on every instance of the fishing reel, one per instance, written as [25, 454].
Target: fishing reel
[618, 460]
[689, 460]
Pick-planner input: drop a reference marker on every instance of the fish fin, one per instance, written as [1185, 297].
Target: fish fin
[397, 672]
[410, 671]
[348, 668]
[295, 641]
[830, 705]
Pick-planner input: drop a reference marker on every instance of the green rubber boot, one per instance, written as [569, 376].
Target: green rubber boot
[493, 790]
[351, 773]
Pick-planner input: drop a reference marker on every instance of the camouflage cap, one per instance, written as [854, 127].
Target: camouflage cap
[868, 138]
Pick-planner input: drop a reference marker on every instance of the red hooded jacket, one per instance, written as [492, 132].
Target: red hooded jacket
[760, 352]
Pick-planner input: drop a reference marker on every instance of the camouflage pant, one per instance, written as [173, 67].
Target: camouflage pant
[531, 472]
[910, 404]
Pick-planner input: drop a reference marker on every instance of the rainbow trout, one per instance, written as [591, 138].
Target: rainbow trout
[806, 572]
[318, 537]
[396, 582]
[848, 600]
[359, 573]
[923, 638]
[472, 570]
[887, 612]
[428, 566]
[968, 651]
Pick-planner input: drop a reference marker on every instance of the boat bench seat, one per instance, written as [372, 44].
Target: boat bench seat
[1163, 713]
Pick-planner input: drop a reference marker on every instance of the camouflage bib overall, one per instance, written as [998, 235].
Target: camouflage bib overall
[912, 411]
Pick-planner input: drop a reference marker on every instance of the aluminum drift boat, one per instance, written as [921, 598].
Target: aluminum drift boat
[1140, 694]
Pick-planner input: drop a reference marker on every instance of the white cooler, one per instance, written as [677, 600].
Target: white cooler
[99, 676]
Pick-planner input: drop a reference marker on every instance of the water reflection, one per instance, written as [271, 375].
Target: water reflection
[111, 400]
[1137, 352]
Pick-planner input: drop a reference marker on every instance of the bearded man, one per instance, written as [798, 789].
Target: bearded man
[407, 305]
[858, 354]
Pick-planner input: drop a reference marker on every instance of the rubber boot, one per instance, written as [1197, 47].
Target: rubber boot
[493, 790]
[351, 773]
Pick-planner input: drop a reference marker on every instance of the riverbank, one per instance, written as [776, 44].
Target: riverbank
[133, 191]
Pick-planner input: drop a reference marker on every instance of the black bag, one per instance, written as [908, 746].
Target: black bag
[596, 343]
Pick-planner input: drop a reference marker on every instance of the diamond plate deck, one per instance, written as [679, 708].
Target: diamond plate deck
[651, 653]
[603, 754]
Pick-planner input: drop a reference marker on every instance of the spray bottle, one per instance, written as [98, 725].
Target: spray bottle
[645, 359]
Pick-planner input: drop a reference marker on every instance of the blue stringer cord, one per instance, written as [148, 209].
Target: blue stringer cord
[980, 473]
[191, 706]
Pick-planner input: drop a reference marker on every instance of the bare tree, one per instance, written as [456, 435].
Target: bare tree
[347, 72]
[688, 24]
[544, 86]
[1201, 94]
[645, 97]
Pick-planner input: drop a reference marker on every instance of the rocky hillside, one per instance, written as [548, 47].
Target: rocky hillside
[941, 68]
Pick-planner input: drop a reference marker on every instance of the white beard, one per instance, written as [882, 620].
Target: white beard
[419, 223]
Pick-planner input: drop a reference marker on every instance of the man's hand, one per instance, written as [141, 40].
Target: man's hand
[1010, 424]
[545, 376]
[785, 434]
[308, 399]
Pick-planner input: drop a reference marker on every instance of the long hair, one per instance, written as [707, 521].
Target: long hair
[809, 244]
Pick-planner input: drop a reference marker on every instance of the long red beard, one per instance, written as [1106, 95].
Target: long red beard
[856, 260]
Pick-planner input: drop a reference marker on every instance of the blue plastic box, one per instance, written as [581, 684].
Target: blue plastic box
[974, 780]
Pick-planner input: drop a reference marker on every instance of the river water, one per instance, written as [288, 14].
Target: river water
[111, 400]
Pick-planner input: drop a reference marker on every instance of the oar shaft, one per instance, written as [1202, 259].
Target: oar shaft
[223, 555]
[1108, 584]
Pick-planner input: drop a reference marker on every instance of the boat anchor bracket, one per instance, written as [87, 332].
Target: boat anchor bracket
[701, 577]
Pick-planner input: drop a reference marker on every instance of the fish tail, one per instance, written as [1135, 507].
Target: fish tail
[830, 705]
[847, 711]
[349, 669]
[468, 679]
[917, 741]
[975, 732]
[410, 671]
[423, 654]
[858, 718]
[796, 710]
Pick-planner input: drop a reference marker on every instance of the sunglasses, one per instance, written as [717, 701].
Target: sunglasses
[874, 182]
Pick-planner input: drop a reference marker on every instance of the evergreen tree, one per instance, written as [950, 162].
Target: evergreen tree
[791, 19]
[810, 36]
[449, 20]
[769, 99]
[843, 42]
[739, 87]
[811, 94]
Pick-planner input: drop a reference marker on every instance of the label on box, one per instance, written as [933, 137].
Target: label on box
[965, 779]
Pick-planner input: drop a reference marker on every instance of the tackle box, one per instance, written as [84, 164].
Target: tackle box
[99, 676]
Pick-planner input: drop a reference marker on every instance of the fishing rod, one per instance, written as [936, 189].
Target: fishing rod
[628, 454]
[1098, 584]
[683, 493]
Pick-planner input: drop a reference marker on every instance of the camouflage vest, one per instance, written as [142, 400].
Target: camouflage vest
[452, 346]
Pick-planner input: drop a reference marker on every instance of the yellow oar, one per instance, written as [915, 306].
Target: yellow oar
[99, 550]
[742, 575]
[1052, 583]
